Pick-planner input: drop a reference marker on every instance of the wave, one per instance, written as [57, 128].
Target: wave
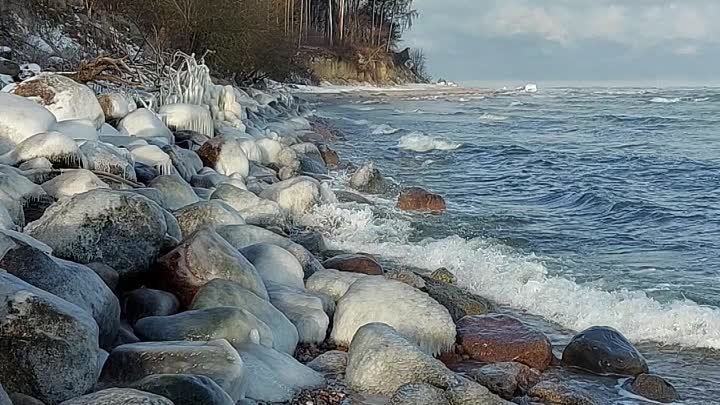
[356, 122]
[663, 100]
[384, 129]
[521, 281]
[488, 117]
[419, 142]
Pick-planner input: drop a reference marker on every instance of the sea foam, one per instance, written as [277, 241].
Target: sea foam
[420, 142]
[384, 129]
[521, 281]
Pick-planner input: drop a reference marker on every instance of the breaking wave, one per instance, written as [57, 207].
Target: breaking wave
[420, 142]
[384, 129]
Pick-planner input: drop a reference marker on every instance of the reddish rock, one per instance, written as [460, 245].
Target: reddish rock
[330, 157]
[502, 338]
[418, 199]
[201, 258]
[354, 264]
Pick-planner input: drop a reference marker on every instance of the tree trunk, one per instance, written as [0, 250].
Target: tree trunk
[392, 25]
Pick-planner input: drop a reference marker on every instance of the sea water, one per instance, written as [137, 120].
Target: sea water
[569, 207]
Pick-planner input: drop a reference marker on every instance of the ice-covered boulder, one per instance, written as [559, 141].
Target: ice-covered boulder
[185, 389]
[414, 315]
[143, 123]
[107, 158]
[216, 360]
[54, 146]
[331, 282]
[16, 192]
[153, 156]
[175, 192]
[241, 236]
[275, 264]
[297, 195]
[252, 151]
[273, 376]
[202, 214]
[202, 257]
[116, 106]
[225, 293]
[255, 210]
[304, 310]
[381, 360]
[79, 130]
[121, 229]
[233, 324]
[64, 97]
[225, 155]
[20, 118]
[188, 117]
[119, 396]
[186, 162]
[48, 346]
[71, 183]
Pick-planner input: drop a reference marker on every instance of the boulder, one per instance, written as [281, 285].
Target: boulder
[459, 303]
[48, 346]
[273, 376]
[418, 199]
[109, 159]
[21, 118]
[188, 117]
[9, 68]
[408, 277]
[443, 275]
[216, 360]
[329, 156]
[56, 148]
[108, 275]
[313, 241]
[121, 229]
[368, 179]
[64, 97]
[224, 293]
[241, 236]
[71, 183]
[344, 196]
[184, 161]
[500, 338]
[175, 193]
[206, 214]
[603, 350]
[144, 124]
[152, 160]
[184, 389]
[414, 315]
[119, 396]
[190, 139]
[418, 394]
[333, 362]
[304, 310]
[79, 130]
[465, 392]
[235, 325]
[358, 263]
[202, 257]
[380, 361]
[560, 393]
[144, 302]
[72, 282]
[126, 335]
[297, 195]
[332, 283]
[255, 210]
[507, 379]
[22, 399]
[116, 106]
[652, 387]
[275, 264]
[225, 156]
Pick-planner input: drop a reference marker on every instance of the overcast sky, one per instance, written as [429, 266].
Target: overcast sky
[584, 41]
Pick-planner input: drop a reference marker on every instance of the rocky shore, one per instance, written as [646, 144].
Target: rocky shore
[152, 255]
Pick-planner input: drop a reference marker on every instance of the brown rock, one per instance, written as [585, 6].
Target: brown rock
[506, 379]
[418, 199]
[560, 394]
[501, 338]
[354, 264]
[330, 157]
[209, 152]
[202, 257]
[652, 387]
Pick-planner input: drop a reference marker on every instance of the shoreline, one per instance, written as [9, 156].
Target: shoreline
[217, 261]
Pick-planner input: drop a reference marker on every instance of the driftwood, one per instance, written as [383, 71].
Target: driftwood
[103, 68]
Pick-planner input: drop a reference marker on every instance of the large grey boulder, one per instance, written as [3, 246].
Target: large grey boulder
[185, 389]
[70, 281]
[202, 257]
[224, 293]
[175, 192]
[242, 236]
[418, 394]
[119, 396]
[121, 229]
[306, 311]
[235, 325]
[216, 360]
[4, 398]
[368, 179]
[48, 346]
[275, 264]
[255, 210]
[145, 302]
[207, 214]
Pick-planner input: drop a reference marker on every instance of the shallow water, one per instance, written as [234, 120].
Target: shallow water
[579, 206]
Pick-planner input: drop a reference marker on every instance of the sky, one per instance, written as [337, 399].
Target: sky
[660, 42]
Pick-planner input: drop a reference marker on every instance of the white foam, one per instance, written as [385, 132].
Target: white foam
[663, 100]
[384, 129]
[488, 117]
[523, 282]
[419, 142]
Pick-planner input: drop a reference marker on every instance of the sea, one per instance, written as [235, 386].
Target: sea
[569, 207]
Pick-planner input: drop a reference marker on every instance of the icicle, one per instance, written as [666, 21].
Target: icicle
[188, 117]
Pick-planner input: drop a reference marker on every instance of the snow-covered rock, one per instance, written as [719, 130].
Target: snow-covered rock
[188, 117]
[20, 118]
[71, 183]
[296, 195]
[54, 146]
[116, 106]
[225, 155]
[143, 123]
[332, 283]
